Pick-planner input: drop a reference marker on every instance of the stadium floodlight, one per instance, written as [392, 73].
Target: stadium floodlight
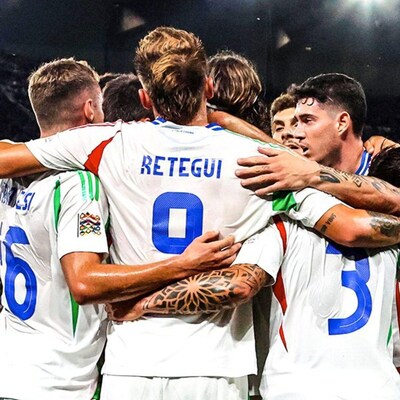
[371, 1]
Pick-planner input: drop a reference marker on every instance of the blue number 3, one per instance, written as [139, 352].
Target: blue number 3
[357, 281]
[16, 266]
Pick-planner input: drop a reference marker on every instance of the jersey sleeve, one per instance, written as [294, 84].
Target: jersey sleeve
[80, 213]
[306, 206]
[264, 249]
[70, 150]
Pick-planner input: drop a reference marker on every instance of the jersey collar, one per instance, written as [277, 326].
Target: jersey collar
[364, 164]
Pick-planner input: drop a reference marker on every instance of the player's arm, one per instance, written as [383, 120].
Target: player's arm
[376, 144]
[203, 293]
[359, 228]
[359, 191]
[90, 281]
[16, 160]
[283, 170]
[67, 150]
[239, 125]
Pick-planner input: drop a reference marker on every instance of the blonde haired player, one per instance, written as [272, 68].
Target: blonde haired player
[43, 331]
[47, 340]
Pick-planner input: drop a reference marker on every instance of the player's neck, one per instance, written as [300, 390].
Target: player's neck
[46, 133]
[200, 119]
[350, 156]
[53, 129]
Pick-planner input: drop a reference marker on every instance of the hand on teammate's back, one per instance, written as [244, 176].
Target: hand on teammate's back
[280, 170]
[207, 252]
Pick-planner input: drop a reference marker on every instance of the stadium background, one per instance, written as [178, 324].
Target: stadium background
[289, 40]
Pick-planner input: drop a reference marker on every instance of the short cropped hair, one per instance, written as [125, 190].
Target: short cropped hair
[53, 87]
[238, 88]
[172, 66]
[386, 166]
[282, 102]
[338, 90]
[121, 100]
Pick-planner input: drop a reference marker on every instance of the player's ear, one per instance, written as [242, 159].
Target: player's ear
[88, 110]
[145, 99]
[343, 122]
[209, 88]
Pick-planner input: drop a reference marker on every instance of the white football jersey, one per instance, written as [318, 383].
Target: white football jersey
[49, 346]
[335, 307]
[167, 184]
[9, 189]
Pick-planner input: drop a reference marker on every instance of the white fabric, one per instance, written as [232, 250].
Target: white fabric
[195, 388]
[316, 363]
[44, 353]
[395, 342]
[166, 184]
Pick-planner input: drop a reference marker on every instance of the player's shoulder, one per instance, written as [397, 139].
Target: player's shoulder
[135, 132]
[95, 127]
[83, 183]
[75, 177]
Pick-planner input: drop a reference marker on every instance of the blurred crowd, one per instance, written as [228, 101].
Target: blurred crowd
[17, 121]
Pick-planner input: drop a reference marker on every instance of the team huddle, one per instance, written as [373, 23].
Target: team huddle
[158, 245]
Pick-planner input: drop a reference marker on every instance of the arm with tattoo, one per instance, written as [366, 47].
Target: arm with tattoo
[359, 191]
[202, 293]
[359, 228]
[283, 170]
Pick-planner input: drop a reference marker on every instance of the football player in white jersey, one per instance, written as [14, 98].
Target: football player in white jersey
[49, 345]
[42, 329]
[335, 312]
[331, 110]
[332, 98]
[334, 308]
[167, 182]
[325, 102]
[342, 299]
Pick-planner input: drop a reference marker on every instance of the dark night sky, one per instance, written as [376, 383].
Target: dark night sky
[360, 38]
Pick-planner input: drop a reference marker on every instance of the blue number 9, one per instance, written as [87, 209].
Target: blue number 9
[16, 266]
[161, 221]
[357, 281]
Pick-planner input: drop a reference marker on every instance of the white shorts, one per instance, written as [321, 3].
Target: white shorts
[192, 388]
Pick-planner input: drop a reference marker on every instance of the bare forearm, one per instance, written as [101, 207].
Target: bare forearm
[359, 228]
[16, 160]
[359, 191]
[90, 281]
[207, 292]
[100, 283]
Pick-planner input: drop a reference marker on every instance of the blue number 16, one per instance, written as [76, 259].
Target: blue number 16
[357, 281]
[16, 266]
[161, 221]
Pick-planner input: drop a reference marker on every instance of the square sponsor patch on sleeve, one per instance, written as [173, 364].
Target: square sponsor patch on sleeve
[89, 224]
